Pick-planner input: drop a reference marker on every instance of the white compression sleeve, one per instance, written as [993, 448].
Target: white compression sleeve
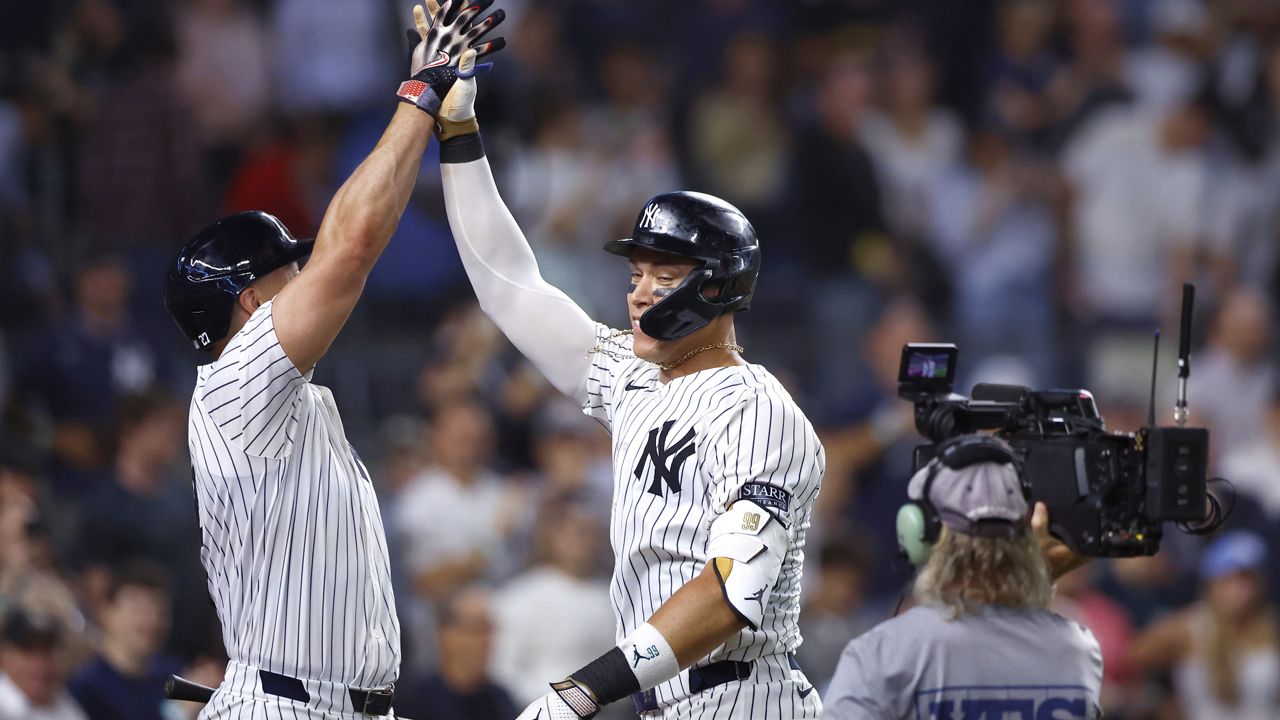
[539, 319]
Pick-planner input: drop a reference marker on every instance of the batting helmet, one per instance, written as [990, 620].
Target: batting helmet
[706, 229]
[205, 281]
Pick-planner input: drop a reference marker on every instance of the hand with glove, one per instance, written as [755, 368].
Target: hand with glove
[567, 700]
[447, 43]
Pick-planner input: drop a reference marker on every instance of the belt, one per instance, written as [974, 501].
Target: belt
[376, 702]
[707, 677]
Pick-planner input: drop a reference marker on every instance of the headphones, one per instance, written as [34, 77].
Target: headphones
[918, 523]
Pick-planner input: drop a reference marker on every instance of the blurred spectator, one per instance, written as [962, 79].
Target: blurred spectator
[140, 172]
[558, 612]
[912, 141]
[126, 679]
[737, 135]
[1235, 376]
[536, 79]
[290, 177]
[1254, 467]
[835, 608]
[1168, 72]
[358, 64]
[1094, 74]
[28, 576]
[1139, 183]
[553, 182]
[837, 198]
[403, 456]
[994, 229]
[224, 74]
[1224, 650]
[1019, 72]
[31, 678]
[571, 458]
[454, 518]
[461, 689]
[1149, 587]
[149, 479]
[869, 450]
[627, 135]
[75, 372]
[839, 233]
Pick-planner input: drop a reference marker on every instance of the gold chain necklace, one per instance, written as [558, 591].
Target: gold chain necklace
[602, 347]
[668, 367]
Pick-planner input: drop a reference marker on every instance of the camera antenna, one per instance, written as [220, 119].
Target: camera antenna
[1180, 412]
[1155, 358]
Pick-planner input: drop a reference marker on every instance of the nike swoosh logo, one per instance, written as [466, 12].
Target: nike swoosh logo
[805, 692]
[441, 59]
[633, 386]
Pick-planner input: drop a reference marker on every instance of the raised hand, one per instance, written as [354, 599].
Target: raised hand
[443, 35]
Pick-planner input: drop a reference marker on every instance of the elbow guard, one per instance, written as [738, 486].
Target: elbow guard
[746, 549]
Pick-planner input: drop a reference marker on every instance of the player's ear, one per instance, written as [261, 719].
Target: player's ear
[249, 301]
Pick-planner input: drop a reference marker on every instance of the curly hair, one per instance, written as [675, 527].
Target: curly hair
[964, 572]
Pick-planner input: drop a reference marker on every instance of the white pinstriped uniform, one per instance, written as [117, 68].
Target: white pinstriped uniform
[715, 431]
[293, 542]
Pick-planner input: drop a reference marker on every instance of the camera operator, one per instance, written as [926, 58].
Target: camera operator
[982, 641]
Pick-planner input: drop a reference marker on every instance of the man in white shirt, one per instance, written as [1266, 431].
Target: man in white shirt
[31, 681]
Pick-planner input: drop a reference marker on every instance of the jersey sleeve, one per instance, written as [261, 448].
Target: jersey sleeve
[763, 449]
[253, 390]
[611, 352]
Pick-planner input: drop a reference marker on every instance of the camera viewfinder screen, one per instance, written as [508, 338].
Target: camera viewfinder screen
[928, 364]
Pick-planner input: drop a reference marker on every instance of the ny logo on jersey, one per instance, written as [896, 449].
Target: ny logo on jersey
[649, 215]
[667, 460]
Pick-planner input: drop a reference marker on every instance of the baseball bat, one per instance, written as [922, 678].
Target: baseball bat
[180, 688]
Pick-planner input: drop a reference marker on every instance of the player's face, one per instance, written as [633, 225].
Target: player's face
[654, 275]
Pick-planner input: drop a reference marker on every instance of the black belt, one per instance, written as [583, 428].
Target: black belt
[707, 677]
[369, 702]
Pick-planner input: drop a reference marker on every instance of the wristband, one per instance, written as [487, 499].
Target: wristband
[650, 657]
[461, 149]
[420, 95]
[447, 129]
[640, 662]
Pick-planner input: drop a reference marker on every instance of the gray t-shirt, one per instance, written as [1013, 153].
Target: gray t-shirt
[995, 663]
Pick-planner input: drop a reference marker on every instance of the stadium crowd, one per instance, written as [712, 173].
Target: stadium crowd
[1031, 179]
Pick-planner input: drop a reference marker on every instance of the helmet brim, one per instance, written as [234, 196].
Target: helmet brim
[658, 243]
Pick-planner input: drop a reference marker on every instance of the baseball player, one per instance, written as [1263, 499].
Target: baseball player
[293, 542]
[715, 468]
[983, 642]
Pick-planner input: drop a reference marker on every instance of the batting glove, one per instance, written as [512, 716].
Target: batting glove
[441, 42]
[568, 700]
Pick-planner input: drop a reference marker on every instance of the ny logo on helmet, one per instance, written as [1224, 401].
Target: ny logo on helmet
[648, 217]
[667, 460]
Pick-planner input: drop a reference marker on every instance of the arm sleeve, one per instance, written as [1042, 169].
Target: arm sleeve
[253, 391]
[540, 320]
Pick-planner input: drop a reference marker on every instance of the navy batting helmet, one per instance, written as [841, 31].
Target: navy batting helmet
[714, 233]
[205, 281]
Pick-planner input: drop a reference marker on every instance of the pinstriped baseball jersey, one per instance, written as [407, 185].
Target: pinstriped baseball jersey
[683, 452]
[293, 542]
